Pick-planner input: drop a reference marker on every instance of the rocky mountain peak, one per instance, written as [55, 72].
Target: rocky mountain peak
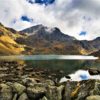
[48, 33]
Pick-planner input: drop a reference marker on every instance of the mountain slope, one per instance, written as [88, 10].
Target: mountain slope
[97, 53]
[7, 43]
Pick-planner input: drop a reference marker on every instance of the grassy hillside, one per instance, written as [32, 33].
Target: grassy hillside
[7, 43]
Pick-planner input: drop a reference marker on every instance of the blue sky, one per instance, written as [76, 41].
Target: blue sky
[83, 33]
[46, 2]
[78, 18]
[25, 18]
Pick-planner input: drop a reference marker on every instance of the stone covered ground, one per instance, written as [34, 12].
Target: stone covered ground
[20, 82]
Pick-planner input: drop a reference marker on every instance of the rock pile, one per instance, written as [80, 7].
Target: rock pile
[30, 89]
[18, 83]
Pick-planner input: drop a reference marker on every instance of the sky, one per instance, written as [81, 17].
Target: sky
[78, 18]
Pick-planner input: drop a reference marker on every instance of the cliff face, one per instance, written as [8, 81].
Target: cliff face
[8, 45]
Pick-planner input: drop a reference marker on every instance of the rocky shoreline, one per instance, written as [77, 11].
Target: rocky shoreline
[30, 89]
[17, 82]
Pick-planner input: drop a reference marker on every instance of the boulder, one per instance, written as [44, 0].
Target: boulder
[18, 88]
[54, 93]
[93, 97]
[37, 91]
[69, 90]
[49, 82]
[23, 96]
[5, 92]
[96, 90]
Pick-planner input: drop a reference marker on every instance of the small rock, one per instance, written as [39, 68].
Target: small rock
[50, 82]
[44, 98]
[94, 97]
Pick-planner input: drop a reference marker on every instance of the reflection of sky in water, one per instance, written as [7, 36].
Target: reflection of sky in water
[80, 75]
[84, 77]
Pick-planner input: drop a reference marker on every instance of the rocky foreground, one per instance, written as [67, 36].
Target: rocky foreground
[17, 82]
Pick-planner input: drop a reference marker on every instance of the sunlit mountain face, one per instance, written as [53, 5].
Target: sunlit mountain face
[46, 2]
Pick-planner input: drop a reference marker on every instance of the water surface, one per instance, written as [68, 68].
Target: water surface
[57, 63]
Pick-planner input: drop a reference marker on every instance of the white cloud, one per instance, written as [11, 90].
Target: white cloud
[68, 15]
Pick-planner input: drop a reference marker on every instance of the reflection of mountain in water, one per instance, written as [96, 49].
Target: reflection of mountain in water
[68, 66]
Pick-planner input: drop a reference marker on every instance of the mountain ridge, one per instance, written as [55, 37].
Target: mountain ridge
[41, 33]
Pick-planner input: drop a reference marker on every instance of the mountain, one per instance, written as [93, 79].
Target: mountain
[40, 39]
[46, 40]
[51, 34]
[8, 45]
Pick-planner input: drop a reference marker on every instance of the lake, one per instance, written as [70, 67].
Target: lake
[48, 57]
[65, 64]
